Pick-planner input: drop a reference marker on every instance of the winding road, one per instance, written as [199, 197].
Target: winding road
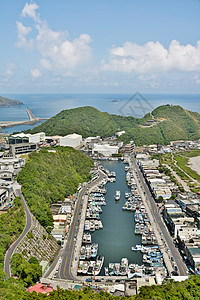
[27, 227]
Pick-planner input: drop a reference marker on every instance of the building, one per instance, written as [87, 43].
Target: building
[40, 288]
[21, 148]
[119, 133]
[10, 167]
[176, 218]
[26, 138]
[189, 240]
[71, 140]
[6, 194]
[129, 148]
[2, 197]
[105, 149]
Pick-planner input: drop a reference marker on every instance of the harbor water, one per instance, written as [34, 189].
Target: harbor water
[117, 236]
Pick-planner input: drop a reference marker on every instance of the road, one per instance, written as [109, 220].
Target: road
[65, 266]
[182, 182]
[27, 227]
[174, 252]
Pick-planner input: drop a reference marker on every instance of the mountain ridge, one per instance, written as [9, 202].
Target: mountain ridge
[164, 124]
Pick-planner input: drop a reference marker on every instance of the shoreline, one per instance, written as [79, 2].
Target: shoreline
[194, 164]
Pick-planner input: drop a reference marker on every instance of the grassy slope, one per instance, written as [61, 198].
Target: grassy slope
[88, 121]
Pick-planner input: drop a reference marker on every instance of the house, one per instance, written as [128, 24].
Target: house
[40, 288]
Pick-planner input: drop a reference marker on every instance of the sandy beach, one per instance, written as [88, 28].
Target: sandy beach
[194, 164]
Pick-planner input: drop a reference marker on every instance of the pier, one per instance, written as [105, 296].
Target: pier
[32, 120]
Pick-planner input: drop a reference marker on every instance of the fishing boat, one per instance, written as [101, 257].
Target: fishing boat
[117, 195]
[124, 266]
[98, 265]
[117, 268]
[137, 248]
[111, 268]
[106, 271]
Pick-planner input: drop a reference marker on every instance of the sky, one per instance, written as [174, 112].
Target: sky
[91, 46]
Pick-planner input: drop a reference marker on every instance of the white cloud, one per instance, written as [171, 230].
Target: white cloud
[22, 32]
[29, 10]
[35, 73]
[10, 69]
[45, 64]
[153, 57]
[58, 52]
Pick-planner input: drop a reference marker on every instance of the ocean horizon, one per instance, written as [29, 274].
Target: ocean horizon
[48, 105]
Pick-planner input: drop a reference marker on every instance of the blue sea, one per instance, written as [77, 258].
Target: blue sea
[48, 105]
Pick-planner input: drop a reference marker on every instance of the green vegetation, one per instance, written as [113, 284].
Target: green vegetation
[4, 102]
[173, 123]
[183, 160]
[11, 226]
[179, 163]
[86, 121]
[28, 272]
[49, 177]
[169, 290]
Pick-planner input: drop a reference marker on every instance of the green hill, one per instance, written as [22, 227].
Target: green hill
[49, 177]
[5, 102]
[165, 124]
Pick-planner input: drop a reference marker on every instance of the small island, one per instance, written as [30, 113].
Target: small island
[5, 102]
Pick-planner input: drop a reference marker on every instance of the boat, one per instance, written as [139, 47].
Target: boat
[117, 195]
[111, 268]
[82, 253]
[117, 268]
[94, 250]
[124, 266]
[106, 271]
[137, 248]
[98, 265]
[126, 195]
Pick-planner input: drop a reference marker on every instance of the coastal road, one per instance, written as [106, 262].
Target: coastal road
[66, 263]
[160, 223]
[27, 227]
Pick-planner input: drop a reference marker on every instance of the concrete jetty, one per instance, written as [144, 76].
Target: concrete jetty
[32, 120]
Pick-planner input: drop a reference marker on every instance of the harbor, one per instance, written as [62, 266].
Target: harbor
[118, 238]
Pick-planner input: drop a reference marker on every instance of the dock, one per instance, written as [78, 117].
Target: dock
[32, 120]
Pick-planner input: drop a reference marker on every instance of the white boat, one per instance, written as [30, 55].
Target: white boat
[137, 248]
[117, 195]
[98, 265]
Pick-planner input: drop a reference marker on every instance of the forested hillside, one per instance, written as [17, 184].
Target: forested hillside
[167, 123]
[169, 290]
[49, 177]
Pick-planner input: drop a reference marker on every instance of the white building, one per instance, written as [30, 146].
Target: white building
[32, 138]
[117, 134]
[71, 140]
[105, 149]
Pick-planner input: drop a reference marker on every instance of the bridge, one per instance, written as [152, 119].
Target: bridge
[32, 120]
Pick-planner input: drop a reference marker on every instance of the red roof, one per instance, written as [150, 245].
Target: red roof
[40, 288]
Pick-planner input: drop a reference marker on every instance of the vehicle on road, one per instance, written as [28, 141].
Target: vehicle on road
[88, 280]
